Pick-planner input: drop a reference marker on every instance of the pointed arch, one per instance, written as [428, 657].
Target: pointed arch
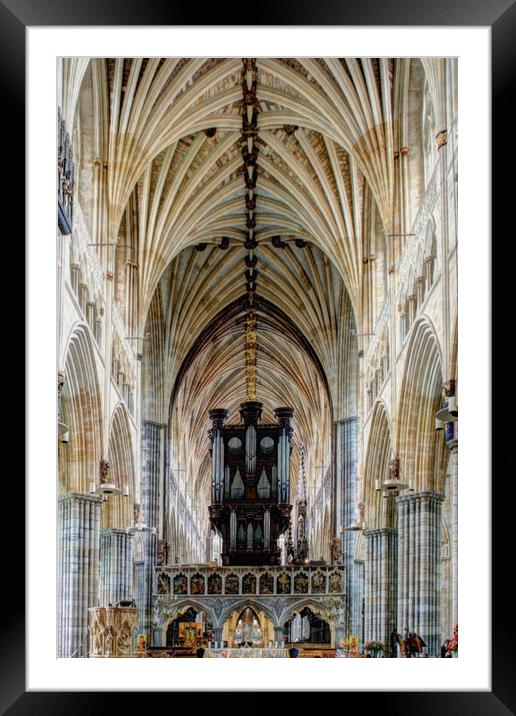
[118, 510]
[378, 455]
[81, 411]
[420, 447]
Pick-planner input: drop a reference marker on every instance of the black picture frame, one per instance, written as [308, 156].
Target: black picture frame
[500, 16]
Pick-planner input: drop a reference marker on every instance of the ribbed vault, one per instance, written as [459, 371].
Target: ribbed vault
[170, 130]
[304, 320]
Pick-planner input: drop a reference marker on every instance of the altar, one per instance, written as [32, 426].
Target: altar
[246, 653]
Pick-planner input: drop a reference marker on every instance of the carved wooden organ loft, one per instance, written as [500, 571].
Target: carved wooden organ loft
[250, 484]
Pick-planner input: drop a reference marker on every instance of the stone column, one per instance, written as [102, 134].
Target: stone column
[346, 491]
[380, 584]
[218, 637]
[139, 577]
[339, 635]
[278, 634]
[357, 600]
[78, 568]
[116, 566]
[454, 481]
[151, 470]
[419, 545]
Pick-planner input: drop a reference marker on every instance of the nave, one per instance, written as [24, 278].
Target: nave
[257, 357]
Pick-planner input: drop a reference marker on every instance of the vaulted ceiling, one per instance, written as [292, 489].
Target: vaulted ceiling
[325, 135]
[168, 133]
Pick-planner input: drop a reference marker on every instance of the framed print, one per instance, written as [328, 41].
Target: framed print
[269, 278]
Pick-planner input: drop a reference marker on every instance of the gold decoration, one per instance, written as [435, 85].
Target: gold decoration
[250, 356]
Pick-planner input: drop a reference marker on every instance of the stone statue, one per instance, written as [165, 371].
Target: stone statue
[60, 385]
[335, 549]
[239, 632]
[256, 632]
[104, 470]
[109, 642]
[162, 556]
[394, 468]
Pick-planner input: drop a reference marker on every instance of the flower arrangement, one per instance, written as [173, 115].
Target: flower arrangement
[374, 646]
[453, 643]
[350, 644]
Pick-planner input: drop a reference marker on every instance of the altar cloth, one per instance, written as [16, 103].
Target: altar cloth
[246, 653]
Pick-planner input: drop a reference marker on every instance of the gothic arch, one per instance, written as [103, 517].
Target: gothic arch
[181, 608]
[378, 456]
[454, 367]
[239, 605]
[81, 411]
[118, 510]
[298, 605]
[420, 447]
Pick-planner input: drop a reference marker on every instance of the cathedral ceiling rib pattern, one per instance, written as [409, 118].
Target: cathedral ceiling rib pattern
[168, 134]
[151, 116]
[303, 285]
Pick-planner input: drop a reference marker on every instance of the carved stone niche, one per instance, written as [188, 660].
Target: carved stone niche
[111, 632]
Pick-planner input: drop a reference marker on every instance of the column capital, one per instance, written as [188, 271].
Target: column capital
[116, 530]
[424, 495]
[80, 496]
[380, 531]
[155, 423]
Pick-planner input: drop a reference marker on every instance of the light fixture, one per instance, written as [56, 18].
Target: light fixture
[439, 424]
[92, 487]
[126, 491]
[108, 489]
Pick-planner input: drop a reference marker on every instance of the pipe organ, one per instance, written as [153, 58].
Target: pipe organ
[250, 484]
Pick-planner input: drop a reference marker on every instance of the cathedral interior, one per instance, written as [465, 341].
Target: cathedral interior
[257, 389]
